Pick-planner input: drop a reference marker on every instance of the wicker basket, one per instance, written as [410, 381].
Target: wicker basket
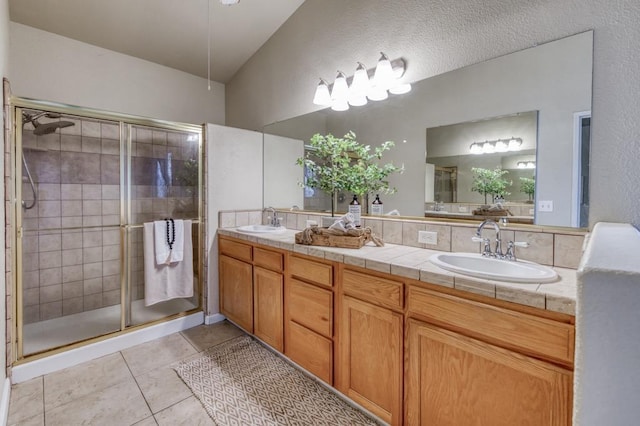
[328, 240]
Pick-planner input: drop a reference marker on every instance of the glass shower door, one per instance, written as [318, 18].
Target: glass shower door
[70, 226]
[164, 183]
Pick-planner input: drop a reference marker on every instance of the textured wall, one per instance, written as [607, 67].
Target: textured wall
[437, 36]
[55, 68]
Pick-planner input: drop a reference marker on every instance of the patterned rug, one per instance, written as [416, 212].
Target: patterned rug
[240, 382]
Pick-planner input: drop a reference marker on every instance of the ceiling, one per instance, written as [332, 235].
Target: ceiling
[168, 32]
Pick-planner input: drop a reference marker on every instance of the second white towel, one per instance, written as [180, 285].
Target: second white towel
[163, 254]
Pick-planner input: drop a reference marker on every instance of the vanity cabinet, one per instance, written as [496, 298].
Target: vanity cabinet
[236, 291]
[251, 281]
[268, 297]
[454, 380]
[309, 316]
[410, 352]
[467, 359]
[370, 343]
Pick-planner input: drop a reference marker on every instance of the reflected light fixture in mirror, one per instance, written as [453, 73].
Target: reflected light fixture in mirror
[322, 96]
[500, 145]
[229, 2]
[526, 164]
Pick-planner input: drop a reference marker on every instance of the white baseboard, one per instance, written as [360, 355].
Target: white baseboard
[212, 319]
[4, 403]
[23, 372]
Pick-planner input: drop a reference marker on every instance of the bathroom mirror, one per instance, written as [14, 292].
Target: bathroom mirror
[551, 80]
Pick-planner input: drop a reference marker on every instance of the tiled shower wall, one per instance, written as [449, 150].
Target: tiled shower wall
[71, 242]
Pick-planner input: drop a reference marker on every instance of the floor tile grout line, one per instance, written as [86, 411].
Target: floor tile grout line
[137, 384]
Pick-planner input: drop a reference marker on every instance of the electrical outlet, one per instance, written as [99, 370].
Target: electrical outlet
[427, 237]
[463, 209]
[531, 212]
[545, 206]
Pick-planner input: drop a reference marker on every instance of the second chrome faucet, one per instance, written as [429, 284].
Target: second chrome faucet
[497, 253]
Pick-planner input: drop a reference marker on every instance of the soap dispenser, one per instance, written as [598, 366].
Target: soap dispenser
[377, 207]
[355, 209]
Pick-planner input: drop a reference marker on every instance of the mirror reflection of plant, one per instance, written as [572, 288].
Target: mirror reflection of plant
[528, 186]
[343, 164]
[487, 181]
[188, 176]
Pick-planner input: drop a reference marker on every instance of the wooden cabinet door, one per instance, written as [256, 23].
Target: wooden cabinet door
[370, 356]
[455, 380]
[268, 321]
[236, 291]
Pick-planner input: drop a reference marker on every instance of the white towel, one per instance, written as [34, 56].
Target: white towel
[167, 281]
[164, 254]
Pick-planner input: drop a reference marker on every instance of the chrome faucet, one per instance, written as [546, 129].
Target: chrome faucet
[487, 247]
[273, 219]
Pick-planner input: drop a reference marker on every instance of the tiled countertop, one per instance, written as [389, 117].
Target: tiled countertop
[413, 262]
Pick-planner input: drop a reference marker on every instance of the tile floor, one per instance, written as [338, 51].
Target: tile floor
[131, 387]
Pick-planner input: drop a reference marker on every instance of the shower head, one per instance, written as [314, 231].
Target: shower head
[46, 128]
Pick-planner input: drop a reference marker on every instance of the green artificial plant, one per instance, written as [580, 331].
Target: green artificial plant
[343, 164]
[487, 181]
[528, 186]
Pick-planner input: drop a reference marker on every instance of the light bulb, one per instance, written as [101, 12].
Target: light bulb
[475, 148]
[501, 146]
[377, 94]
[360, 84]
[340, 90]
[322, 96]
[521, 165]
[383, 76]
[514, 144]
[400, 89]
[357, 100]
[531, 165]
[488, 148]
[340, 105]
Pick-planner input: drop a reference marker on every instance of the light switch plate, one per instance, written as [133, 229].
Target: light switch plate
[545, 206]
[427, 237]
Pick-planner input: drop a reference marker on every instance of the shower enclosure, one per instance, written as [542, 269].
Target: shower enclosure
[85, 183]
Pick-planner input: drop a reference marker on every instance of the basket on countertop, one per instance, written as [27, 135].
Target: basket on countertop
[352, 238]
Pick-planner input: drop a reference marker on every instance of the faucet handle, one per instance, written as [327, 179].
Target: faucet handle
[477, 239]
[511, 252]
[486, 248]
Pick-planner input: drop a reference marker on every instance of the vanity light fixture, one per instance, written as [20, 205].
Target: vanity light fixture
[229, 2]
[499, 145]
[526, 164]
[374, 84]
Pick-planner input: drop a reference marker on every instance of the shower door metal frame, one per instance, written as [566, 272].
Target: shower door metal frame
[17, 104]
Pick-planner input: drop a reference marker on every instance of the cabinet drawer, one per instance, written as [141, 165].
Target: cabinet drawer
[235, 249]
[538, 336]
[380, 291]
[268, 259]
[311, 351]
[311, 306]
[309, 270]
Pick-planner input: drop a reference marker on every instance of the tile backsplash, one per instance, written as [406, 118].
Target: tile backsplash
[553, 247]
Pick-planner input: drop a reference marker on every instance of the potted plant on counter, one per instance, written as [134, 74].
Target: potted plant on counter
[343, 164]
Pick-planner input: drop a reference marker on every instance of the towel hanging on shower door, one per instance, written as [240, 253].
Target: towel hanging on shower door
[167, 281]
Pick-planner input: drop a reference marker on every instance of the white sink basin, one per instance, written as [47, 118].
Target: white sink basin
[262, 229]
[475, 265]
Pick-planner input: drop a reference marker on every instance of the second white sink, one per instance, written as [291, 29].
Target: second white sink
[262, 229]
[476, 265]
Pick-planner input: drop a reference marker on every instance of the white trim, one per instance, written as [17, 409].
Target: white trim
[4, 403]
[212, 319]
[23, 372]
[576, 184]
